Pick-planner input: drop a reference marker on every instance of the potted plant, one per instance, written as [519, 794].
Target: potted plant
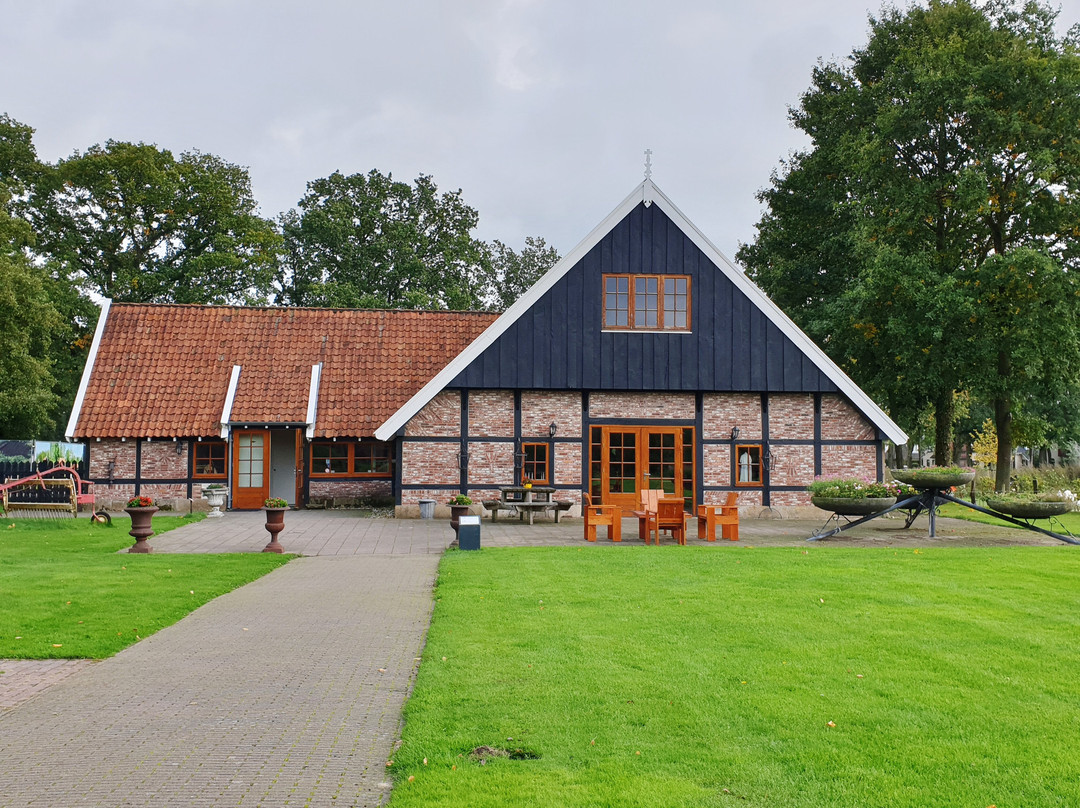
[848, 496]
[275, 508]
[215, 498]
[459, 506]
[934, 476]
[1032, 506]
[141, 510]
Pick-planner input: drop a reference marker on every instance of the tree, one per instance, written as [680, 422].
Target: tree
[28, 322]
[370, 241]
[133, 223]
[19, 165]
[513, 272]
[951, 138]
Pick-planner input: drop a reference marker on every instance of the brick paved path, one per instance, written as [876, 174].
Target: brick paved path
[287, 691]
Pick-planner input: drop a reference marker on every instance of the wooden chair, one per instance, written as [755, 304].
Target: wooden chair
[726, 515]
[646, 513]
[670, 515]
[599, 516]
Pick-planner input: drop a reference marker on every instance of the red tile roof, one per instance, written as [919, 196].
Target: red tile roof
[163, 370]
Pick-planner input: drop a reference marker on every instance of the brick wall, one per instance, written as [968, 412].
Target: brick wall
[429, 463]
[722, 411]
[788, 499]
[358, 489]
[491, 414]
[491, 463]
[440, 418]
[121, 453]
[160, 460]
[717, 459]
[568, 469]
[849, 461]
[539, 409]
[794, 465]
[642, 405]
[791, 417]
[841, 421]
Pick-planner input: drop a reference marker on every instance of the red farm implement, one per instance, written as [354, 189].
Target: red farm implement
[50, 494]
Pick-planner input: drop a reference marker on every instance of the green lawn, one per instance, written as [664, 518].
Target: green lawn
[66, 592]
[685, 676]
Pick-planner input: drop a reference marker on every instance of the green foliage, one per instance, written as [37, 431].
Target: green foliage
[275, 502]
[461, 499]
[513, 272]
[369, 241]
[944, 173]
[133, 223]
[29, 322]
[67, 593]
[850, 488]
[56, 453]
[790, 677]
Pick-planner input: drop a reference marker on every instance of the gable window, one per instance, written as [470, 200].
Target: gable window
[351, 459]
[536, 463]
[210, 459]
[647, 302]
[748, 464]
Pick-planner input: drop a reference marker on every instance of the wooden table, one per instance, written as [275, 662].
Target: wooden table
[527, 501]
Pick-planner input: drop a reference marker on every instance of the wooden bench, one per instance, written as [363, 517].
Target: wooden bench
[726, 515]
[496, 505]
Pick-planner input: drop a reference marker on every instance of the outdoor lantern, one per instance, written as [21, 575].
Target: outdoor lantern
[179, 448]
[734, 433]
[770, 458]
[553, 429]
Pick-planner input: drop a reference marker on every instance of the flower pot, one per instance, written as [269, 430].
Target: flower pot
[924, 479]
[275, 523]
[850, 506]
[1028, 510]
[141, 528]
[456, 512]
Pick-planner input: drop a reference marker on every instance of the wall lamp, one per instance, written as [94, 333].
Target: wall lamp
[179, 448]
[734, 433]
[553, 429]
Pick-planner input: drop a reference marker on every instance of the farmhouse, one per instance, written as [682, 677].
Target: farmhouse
[643, 359]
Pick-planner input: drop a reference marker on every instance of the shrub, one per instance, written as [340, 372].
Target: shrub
[852, 488]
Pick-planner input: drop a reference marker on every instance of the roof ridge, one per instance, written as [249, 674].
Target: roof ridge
[268, 307]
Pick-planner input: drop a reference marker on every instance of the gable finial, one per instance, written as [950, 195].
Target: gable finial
[648, 164]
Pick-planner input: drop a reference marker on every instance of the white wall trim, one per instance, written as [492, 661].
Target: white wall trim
[230, 397]
[313, 400]
[76, 408]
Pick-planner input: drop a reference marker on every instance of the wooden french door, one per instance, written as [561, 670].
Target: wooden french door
[626, 460]
[251, 468]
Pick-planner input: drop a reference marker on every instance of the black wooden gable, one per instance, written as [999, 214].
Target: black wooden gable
[559, 342]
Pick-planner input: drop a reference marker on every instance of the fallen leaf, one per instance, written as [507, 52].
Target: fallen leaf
[832, 724]
[382, 670]
[425, 761]
[389, 763]
[412, 777]
[57, 645]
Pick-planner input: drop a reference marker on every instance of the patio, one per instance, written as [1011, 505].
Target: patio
[346, 532]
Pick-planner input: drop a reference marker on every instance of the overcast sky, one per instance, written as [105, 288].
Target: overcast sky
[538, 111]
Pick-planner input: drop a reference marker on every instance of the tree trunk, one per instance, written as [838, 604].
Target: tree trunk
[1003, 425]
[944, 415]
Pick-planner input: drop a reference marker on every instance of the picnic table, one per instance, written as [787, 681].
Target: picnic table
[526, 502]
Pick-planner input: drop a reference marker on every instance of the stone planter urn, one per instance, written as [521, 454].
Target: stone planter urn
[456, 512]
[275, 523]
[141, 529]
[215, 498]
[850, 506]
[1028, 510]
[929, 478]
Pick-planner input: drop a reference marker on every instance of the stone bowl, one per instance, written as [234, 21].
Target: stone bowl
[849, 506]
[918, 478]
[1028, 510]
